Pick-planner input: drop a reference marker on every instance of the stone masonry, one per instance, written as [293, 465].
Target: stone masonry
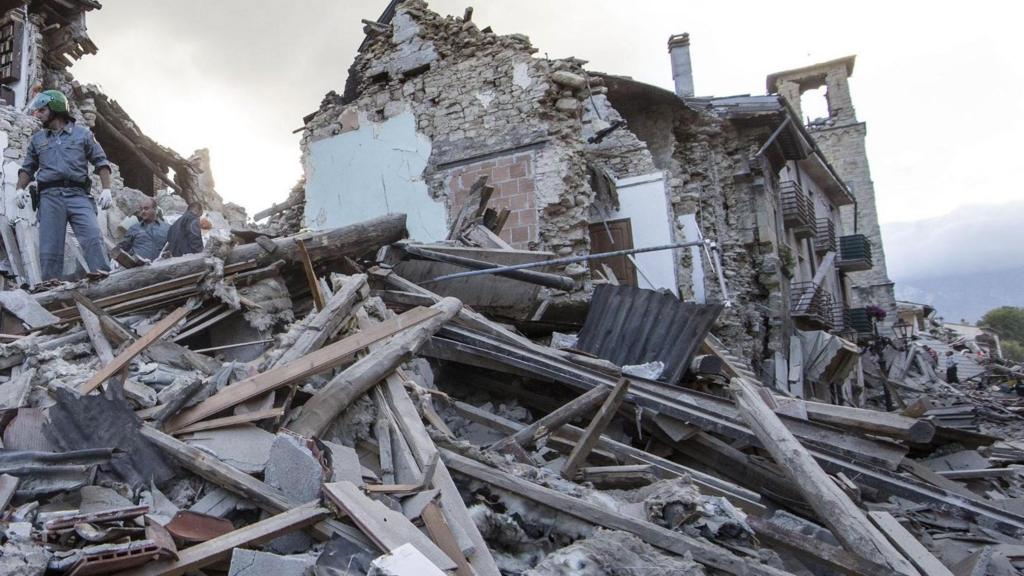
[841, 138]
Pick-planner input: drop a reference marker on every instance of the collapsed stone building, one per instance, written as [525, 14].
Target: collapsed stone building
[39, 40]
[586, 162]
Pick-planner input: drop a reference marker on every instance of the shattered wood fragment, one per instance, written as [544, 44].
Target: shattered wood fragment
[675, 542]
[357, 379]
[122, 359]
[313, 363]
[212, 551]
[442, 535]
[834, 508]
[387, 528]
[307, 266]
[592, 434]
[618, 477]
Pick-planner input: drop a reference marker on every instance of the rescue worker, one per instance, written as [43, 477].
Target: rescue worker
[185, 236]
[951, 368]
[147, 238]
[58, 158]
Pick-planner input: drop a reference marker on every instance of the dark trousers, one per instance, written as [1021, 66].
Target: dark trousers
[57, 209]
[951, 376]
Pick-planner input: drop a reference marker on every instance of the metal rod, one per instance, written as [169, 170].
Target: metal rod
[566, 260]
[238, 345]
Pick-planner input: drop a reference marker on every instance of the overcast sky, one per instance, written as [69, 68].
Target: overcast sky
[937, 83]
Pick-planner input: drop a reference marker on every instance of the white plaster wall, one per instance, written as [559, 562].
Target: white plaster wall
[642, 199]
[373, 170]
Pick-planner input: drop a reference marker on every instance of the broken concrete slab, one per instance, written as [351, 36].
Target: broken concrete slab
[255, 563]
[246, 447]
[294, 471]
[101, 499]
[217, 502]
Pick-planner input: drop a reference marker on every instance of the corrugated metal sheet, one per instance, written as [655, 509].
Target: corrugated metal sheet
[628, 325]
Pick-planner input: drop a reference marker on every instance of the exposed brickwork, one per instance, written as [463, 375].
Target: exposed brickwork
[512, 177]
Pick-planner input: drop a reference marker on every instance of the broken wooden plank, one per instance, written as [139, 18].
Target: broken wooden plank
[133, 350]
[592, 434]
[100, 344]
[206, 553]
[847, 522]
[231, 420]
[906, 543]
[387, 528]
[585, 402]
[357, 379]
[442, 535]
[625, 476]
[978, 473]
[313, 363]
[675, 542]
[307, 266]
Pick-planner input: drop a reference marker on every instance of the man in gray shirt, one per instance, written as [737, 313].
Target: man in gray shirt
[147, 238]
[58, 157]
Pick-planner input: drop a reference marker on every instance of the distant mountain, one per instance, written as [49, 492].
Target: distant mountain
[964, 263]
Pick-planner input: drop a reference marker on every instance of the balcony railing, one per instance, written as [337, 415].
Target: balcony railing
[811, 306]
[858, 320]
[854, 253]
[797, 210]
[825, 236]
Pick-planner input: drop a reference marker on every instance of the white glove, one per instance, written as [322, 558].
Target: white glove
[105, 199]
[23, 198]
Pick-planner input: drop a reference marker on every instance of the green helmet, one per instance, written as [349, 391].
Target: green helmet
[53, 99]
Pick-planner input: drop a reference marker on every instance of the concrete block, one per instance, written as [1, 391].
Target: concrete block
[405, 560]
[255, 563]
[293, 470]
[245, 447]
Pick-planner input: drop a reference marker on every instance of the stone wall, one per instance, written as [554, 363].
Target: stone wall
[485, 103]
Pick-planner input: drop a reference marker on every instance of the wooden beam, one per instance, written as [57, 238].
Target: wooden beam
[314, 286]
[585, 402]
[212, 551]
[846, 521]
[442, 535]
[325, 405]
[133, 350]
[597, 426]
[230, 421]
[872, 422]
[906, 543]
[321, 360]
[675, 542]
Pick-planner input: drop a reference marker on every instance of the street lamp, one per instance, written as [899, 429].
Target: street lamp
[902, 331]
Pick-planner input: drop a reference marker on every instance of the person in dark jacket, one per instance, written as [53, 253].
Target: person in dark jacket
[185, 237]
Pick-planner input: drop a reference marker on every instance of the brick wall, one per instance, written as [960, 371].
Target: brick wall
[512, 177]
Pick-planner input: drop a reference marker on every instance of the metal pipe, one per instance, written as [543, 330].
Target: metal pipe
[566, 260]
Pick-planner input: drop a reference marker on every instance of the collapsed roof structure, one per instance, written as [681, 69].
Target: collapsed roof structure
[426, 362]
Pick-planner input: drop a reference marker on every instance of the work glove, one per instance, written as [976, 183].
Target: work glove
[105, 199]
[23, 198]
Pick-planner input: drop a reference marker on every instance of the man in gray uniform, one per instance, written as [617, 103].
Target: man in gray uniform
[147, 238]
[58, 158]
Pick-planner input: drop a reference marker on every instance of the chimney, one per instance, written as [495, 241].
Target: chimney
[682, 71]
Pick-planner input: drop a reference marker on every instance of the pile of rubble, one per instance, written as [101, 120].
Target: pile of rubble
[296, 405]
